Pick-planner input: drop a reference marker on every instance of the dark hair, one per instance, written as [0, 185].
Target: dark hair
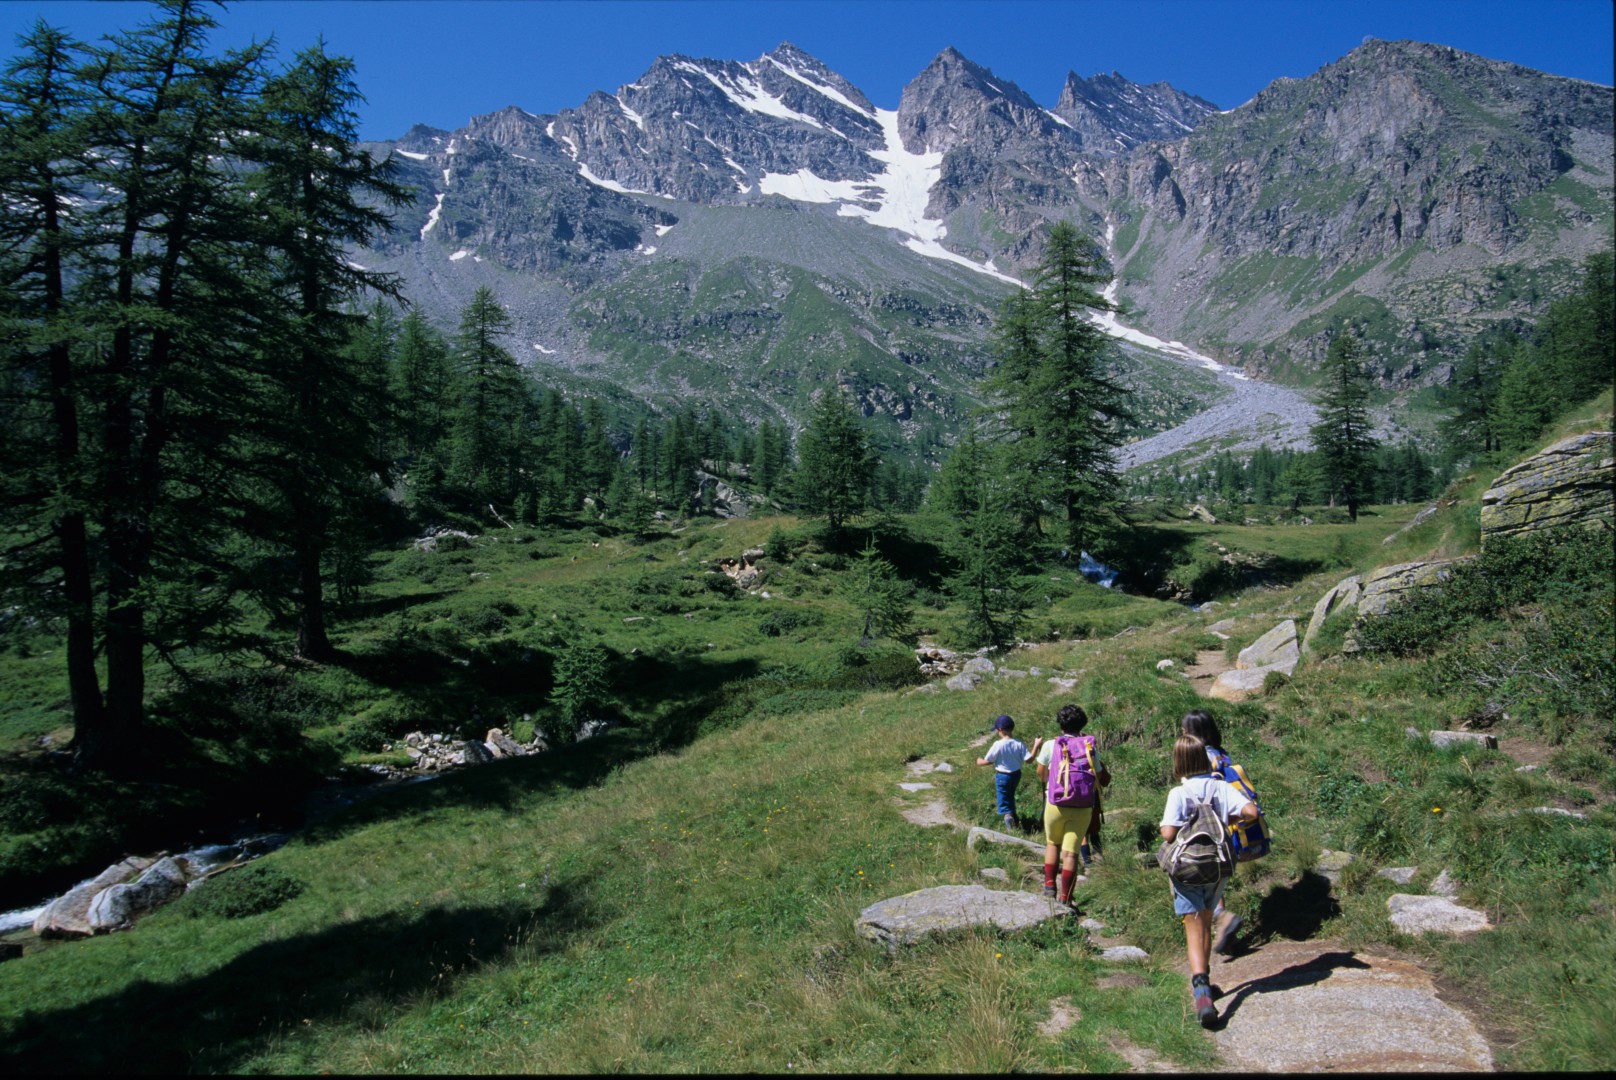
[1199, 722]
[1189, 757]
[1071, 718]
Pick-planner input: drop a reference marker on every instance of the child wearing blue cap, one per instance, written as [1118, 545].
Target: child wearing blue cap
[1006, 755]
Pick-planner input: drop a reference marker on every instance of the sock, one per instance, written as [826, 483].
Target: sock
[1199, 980]
[1066, 879]
[1049, 875]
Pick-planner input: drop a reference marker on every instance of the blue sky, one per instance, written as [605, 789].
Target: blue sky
[442, 61]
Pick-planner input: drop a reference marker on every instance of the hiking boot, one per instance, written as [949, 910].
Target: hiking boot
[1223, 929]
[1049, 891]
[1205, 1011]
[1010, 822]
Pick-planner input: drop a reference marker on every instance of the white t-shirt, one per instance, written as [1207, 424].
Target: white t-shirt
[1007, 754]
[1225, 798]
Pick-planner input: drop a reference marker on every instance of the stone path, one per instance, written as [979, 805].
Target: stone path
[1209, 664]
[1309, 1006]
[1287, 1006]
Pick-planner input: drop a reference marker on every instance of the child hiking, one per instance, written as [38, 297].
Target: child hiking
[1072, 775]
[1199, 862]
[1006, 755]
[1199, 723]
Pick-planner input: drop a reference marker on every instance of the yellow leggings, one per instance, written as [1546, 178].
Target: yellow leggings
[1066, 826]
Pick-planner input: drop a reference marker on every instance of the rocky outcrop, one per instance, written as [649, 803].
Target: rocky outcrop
[1342, 596]
[1275, 649]
[1413, 914]
[68, 915]
[117, 907]
[1571, 482]
[1386, 586]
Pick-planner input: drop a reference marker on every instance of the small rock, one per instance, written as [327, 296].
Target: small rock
[1092, 924]
[917, 787]
[994, 872]
[1164, 665]
[1124, 954]
[964, 681]
[1010, 673]
[1444, 885]
[1063, 684]
[1221, 627]
[1433, 915]
[1398, 875]
[1463, 738]
[1527, 768]
[943, 766]
[1558, 810]
[981, 665]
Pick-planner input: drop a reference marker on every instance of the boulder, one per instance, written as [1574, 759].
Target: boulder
[1463, 738]
[1201, 513]
[1414, 914]
[907, 919]
[1570, 482]
[502, 744]
[68, 914]
[1275, 649]
[1344, 594]
[979, 665]
[964, 681]
[1237, 685]
[1398, 875]
[995, 873]
[1385, 586]
[119, 905]
[473, 752]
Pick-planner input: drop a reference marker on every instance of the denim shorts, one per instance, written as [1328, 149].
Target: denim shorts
[1188, 899]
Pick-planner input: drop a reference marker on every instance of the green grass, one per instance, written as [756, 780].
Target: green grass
[680, 894]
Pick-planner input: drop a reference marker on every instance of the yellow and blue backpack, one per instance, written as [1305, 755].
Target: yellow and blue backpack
[1249, 838]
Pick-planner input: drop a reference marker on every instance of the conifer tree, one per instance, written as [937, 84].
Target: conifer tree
[880, 595]
[1341, 437]
[484, 451]
[836, 463]
[1060, 409]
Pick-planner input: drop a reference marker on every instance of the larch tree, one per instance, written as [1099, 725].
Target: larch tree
[1343, 437]
[835, 463]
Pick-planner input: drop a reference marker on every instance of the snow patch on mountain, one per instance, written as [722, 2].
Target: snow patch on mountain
[409, 154]
[609, 185]
[749, 95]
[461, 254]
[432, 218]
[828, 91]
[542, 349]
[639, 121]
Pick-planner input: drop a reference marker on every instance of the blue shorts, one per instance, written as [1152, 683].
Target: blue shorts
[1189, 899]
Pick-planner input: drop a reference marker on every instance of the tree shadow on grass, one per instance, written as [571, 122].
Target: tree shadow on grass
[358, 973]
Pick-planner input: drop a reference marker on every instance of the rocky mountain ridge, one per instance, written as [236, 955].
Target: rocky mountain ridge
[1414, 189]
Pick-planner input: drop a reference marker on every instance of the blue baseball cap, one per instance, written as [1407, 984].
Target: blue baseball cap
[1004, 723]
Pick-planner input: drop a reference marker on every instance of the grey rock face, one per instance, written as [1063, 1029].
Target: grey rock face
[1341, 596]
[1238, 684]
[120, 905]
[1433, 915]
[979, 835]
[68, 914]
[1275, 649]
[1573, 481]
[904, 920]
[1113, 115]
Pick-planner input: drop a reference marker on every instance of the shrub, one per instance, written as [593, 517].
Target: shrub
[251, 890]
[788, 620]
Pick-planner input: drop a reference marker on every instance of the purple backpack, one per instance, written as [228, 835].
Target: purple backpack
[1071, 771]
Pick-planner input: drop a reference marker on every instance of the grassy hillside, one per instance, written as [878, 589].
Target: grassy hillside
[679, 894]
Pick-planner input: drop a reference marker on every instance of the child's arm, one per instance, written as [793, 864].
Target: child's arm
[1248, 812]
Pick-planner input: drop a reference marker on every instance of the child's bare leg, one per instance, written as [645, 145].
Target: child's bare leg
[1198, 941]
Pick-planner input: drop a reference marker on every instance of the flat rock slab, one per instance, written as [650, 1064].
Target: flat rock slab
[1310, 1006]
[906, 919]
[917, 786]
[1398, 875]
[929, 814]
[979, 835]
[1237, 685]
[1414, 914]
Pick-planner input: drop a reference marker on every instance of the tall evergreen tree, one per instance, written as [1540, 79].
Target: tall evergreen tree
[1342, 436]
[836, 463]
[1060, 409]
[320, 194]
[492, 399]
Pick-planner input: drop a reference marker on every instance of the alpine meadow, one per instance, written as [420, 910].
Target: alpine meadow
[535, 597]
